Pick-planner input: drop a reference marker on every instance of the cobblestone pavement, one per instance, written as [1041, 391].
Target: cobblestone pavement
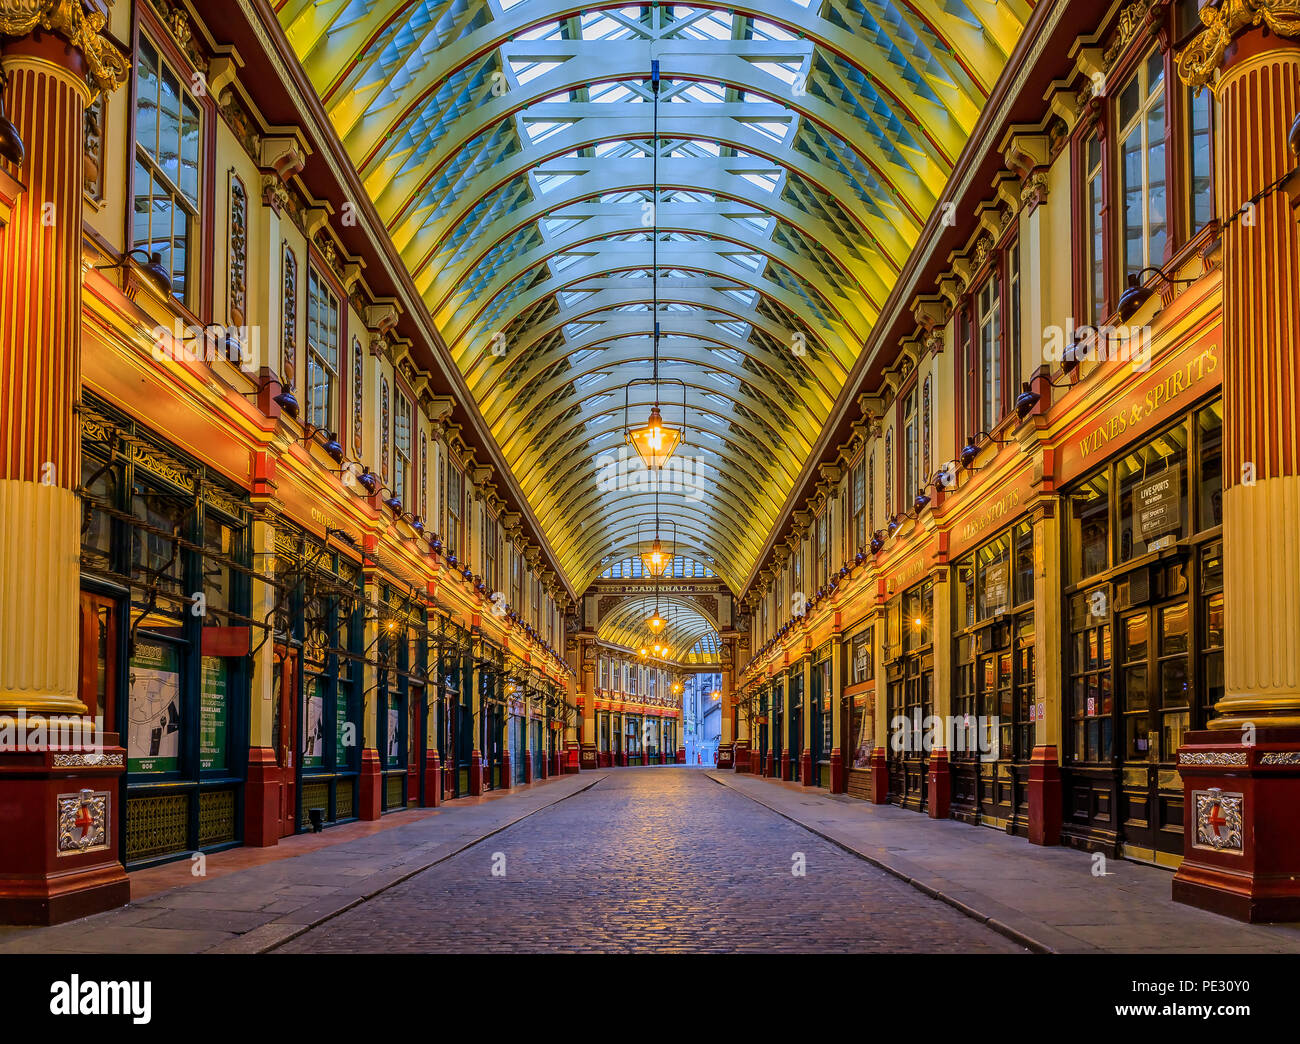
[652, 860]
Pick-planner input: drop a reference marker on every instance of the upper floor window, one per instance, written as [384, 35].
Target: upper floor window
[490, 551]
[911, 449]
[860, 503]
[1095, 243]
[168, 128]
[322, 351]
[455, 509]
[1143, 166]
[402, 470]
[824, 545]
[989, 321]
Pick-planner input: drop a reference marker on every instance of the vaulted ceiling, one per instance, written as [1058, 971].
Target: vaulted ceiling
[509, 149]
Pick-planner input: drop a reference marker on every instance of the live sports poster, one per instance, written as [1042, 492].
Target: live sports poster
[153, 742]
[313, 735]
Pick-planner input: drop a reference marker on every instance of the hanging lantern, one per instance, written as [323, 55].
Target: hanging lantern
[655, 561]
[655, 440]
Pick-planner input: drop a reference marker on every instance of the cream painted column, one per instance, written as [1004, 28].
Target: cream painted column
[1050, 625]
[806, 766]
[838, 777]
[261, 708]
[40, 383]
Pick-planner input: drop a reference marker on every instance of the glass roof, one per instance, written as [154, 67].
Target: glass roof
[509, 149]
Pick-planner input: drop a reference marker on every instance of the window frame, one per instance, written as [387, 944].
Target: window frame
[318, 274]
[197, 291]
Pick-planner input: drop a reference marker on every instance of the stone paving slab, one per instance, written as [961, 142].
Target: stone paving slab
[1046, 898]
[254, 909]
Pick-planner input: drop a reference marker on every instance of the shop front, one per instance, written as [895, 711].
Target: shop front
[492, 716]
[821, 702]
[859, 710]
[315, 703]
[401, 651]
[794, 726]
[632, 739]
[992, 738]
[778, 765]
[909, 693]
[165, 635]
[1144, 609]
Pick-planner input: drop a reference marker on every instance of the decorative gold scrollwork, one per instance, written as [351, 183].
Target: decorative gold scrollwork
[107, 65]
[1201, 58]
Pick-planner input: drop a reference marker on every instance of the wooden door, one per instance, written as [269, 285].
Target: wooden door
[98, 661]
[286, 736]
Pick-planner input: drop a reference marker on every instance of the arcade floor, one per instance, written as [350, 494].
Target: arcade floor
[639, 860]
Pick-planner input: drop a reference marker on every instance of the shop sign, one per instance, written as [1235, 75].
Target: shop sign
[1157, 504]
[1188, 373]
[997, 586]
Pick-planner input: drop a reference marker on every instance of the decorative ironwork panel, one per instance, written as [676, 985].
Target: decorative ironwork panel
[393, 786]
[314, 795]
[385, 421]
[358, 397]
[156, 826]
[889, 473]
[216, 817]
[237, 305]
[344, 805]
[925, 431]
[289, 313]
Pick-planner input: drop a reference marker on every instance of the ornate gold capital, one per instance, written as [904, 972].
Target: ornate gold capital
[1201, 58]
[107, 65]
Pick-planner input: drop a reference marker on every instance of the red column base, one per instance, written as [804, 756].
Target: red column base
[528, 768]
[806, 777]
[1254, 874]
[839, 778]
[572, 759]
[741, 754]
[589, 759]
[940, 785]
[432, 788]
[879, 776]
[507, 777]
[476, 774]
[46, 876]
[769, 769]
[681, 755]
[726, 756]
[371, 805]
[262, 799]
[1045, 808]
[787, 768]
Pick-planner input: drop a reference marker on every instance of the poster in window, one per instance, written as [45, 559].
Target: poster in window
[313, 726]
[864, 715]
[212, 714]
[154, 722]
[342, 735]
[1157, 504]
[862, 657]
[394, 733]
[997, 586]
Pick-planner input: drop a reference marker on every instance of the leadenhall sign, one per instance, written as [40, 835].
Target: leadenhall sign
[1181, 379]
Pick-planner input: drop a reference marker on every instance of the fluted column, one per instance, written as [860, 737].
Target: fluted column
[40, 381]
[1258, 90]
